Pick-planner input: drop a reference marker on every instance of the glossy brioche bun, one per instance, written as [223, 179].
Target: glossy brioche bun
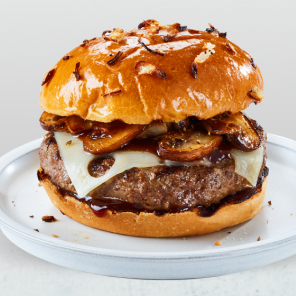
[223, 81]
[148, 224]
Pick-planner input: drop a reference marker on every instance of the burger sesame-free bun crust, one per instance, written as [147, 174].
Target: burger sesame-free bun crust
[148, 224]
[223, 81]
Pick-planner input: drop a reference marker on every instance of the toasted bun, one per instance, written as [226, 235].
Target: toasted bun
[148, 224]
[108, 92]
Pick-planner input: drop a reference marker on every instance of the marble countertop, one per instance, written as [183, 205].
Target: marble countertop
[24, 274]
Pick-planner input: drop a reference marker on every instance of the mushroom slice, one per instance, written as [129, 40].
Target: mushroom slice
[188, 146]
[154, 129]
[238, 128]
[52, 122]
[107, 137]
[77, 125]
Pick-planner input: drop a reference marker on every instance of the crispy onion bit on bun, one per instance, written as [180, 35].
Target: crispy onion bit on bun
[256, 94]
[148, 23]
[48, 76]
[212, 29]
[194, 69]
[106, 32]
[187, 145]
[215, 31]
[204, 55]
[84, 42]
[76, 72]
[116, 92]
[149, 68]
[238, 129]
[115, 59]
[116, 35]
[172, 32]
[230, 48]
[109, 137]
[154, 29]
[200, 58]
[153, 26]
[149, 49]
[253, 63]
[223, 35]
[181, 28]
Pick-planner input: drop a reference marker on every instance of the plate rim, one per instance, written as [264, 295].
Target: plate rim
[10, 224]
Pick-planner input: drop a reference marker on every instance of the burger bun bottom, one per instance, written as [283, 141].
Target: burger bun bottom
[187, 223]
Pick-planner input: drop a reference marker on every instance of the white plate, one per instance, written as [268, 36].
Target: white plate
[87, 249]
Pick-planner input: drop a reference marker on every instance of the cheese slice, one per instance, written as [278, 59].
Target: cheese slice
[248, 164]
[76, 160]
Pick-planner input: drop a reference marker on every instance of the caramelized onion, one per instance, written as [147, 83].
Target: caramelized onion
[77, 125]
[182, 124]
[237, 127]
[188, 145]
[108, 137]
[170, 125]
[154, 129]
[52, 122]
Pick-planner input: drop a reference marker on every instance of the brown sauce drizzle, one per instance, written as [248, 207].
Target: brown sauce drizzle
[143, 145]
[98, 167]
[101, 206]
[221, 153]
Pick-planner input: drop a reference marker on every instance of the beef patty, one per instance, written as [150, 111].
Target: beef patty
[155, 188]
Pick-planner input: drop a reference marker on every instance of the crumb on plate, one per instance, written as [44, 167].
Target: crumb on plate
[218, 243]
[49, 219]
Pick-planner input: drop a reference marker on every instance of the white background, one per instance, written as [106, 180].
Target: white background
[36, 34]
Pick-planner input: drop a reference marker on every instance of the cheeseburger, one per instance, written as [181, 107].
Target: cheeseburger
[146, 134]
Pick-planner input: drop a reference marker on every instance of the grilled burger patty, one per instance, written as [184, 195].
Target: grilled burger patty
[155, 188]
